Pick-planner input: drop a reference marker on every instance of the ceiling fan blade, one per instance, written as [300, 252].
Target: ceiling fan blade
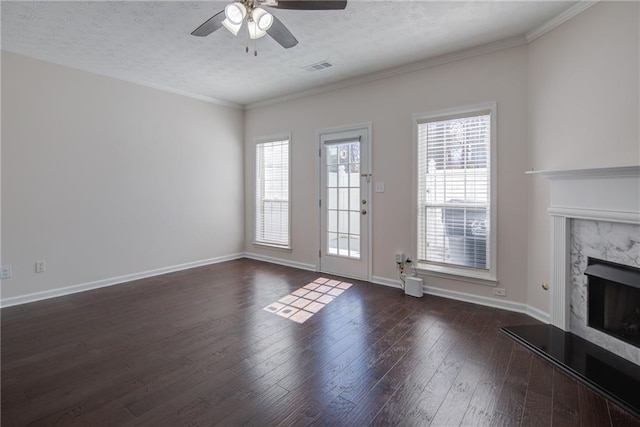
[210, 25]
[281, 34]
[311, 4]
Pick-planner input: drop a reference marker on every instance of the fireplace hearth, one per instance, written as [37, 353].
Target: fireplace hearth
[614, 299]
[612, 376]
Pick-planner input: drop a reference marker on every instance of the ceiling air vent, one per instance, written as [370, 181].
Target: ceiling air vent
[317, 66]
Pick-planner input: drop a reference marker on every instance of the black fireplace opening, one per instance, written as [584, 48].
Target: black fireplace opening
[613, 299]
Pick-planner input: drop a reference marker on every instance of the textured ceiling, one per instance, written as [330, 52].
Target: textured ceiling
[150, 42]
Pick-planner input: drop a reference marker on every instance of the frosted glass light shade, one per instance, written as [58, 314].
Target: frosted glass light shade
[235, 12]
[259, 23]
[262, 18]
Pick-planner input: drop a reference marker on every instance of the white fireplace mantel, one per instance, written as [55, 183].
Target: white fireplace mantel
[602, 194]
[615, 171]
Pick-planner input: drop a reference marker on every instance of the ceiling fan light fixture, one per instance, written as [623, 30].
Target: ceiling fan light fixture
[254, 31]
[259, 21]
[235, 13]
[262, 18]
[233, 28]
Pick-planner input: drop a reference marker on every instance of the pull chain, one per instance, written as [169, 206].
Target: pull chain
[248, 40]
[246, 46]
[255, 44]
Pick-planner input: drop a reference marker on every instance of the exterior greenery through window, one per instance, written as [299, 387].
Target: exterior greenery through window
[454, 192]
[272, 193]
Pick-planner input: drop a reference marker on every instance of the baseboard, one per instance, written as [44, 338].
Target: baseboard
[280, 261]
[538, 314]
[68, 290]
[474, 299]
[460, 296]
[386, 282]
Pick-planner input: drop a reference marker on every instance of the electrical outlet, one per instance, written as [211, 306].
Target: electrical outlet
[5, 272]
[40, 267]
[399, 257]
[500, 292]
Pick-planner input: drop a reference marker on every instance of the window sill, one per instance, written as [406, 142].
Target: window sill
[463, 275]
[272, 246]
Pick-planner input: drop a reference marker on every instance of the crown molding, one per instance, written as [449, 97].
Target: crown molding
[192, 95]
[580, 7]
[561, 18]
[516, 41]
[403, 69]
[187, 94]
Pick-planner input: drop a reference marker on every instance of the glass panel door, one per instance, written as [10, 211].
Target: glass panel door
[344, 195]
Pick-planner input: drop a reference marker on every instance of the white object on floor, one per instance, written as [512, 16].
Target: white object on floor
[413, 286]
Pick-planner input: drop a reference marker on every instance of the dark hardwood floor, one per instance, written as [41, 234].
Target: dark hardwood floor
[196, 348]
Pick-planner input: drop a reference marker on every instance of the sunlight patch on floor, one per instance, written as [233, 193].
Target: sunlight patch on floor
[303, 303]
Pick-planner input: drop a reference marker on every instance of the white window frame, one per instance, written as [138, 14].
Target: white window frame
[266, 140]
[486, 277]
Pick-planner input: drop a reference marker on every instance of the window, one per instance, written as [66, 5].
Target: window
[455, 176]
[272, 193]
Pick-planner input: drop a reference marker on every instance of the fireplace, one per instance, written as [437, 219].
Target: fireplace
[595, 276]
[614, 299]
[595, 213]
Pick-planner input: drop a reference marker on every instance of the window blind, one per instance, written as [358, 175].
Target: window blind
[272, 193]
[454, 190]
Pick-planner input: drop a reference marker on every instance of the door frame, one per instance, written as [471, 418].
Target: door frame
[368, 128]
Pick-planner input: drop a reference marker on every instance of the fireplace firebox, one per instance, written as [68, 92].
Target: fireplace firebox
[614, 299]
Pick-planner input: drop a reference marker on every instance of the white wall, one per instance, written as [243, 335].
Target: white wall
[103, 178]
[583, 99]
[389, 104]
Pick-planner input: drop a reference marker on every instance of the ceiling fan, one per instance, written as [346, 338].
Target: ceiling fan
[259, 22]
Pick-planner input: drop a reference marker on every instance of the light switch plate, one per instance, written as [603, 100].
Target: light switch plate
[5, 272]
[379, 187]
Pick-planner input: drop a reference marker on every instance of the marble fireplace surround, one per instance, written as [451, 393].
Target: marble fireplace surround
[594, 213]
